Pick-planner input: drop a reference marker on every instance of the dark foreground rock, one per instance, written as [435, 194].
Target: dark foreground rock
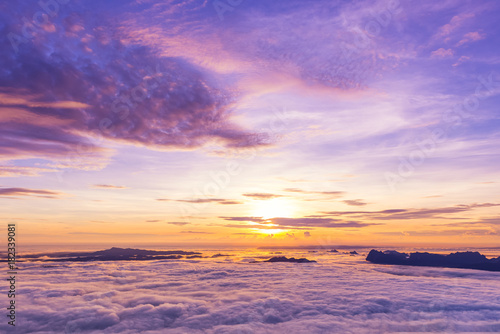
[292, 259]
[464, 260]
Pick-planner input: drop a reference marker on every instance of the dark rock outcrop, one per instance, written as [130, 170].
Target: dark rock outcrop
[292, 259]
[464, 260]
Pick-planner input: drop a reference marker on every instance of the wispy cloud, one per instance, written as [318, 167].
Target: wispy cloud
[442, 53]
[355, 202]
[403, 214]
[441, 232]
[262, 196]
[14, 192]
[202, 201]
[455, 23]
[178, 223]
[196, 232]
[471, 37]
[329, 194]
[108, 186]
[15, 171]
[295, 223]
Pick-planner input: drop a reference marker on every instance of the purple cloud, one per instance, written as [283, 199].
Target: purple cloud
[12, 192]
[354, 202]
[76, 88]
[262, 196]
[295, 223]
[401, 214]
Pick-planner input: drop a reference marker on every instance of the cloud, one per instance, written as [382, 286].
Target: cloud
[354, 202]
[471, 37]
[75, 89]
[455, 23]
[318, 222]
[203, 200]
[196, 232]
[12, 192]
[448, 232]
[244, 219]
[265, 227]
[116, 234]
[488, 221]
[442, 53]
[15, 171]
[209, 200]
[178, 223]
[325, 60]
[262, 196]
[331, 194]
[402, 214]
[229, 202]
[307, 234]
[461, 60]
[294, 223]
[108, 186]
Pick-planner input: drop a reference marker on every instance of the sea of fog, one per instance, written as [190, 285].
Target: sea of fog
[341, 293]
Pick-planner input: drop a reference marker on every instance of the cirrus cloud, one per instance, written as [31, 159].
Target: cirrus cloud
[42, 193]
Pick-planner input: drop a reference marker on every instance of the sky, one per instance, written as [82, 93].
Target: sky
[250, 123]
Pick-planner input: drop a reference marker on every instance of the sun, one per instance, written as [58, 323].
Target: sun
[270, 231]
[276, 207]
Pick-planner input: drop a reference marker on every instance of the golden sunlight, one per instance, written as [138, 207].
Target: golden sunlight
[276, 207]
[270, 231]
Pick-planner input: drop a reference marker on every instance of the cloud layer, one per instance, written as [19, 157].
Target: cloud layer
[340, 293]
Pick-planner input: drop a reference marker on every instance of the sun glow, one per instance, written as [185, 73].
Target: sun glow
[276, 207]
[270, 231]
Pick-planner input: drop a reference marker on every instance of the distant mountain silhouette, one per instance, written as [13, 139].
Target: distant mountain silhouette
[112, 254]
[292, 259]
[464, 260]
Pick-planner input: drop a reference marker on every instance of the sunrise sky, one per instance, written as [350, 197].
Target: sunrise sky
[252, 123]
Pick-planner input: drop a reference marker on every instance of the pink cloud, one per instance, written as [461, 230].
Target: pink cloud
[471, 37]
[13, 171]
[442, 53]
[461, 60]
[454, 24]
